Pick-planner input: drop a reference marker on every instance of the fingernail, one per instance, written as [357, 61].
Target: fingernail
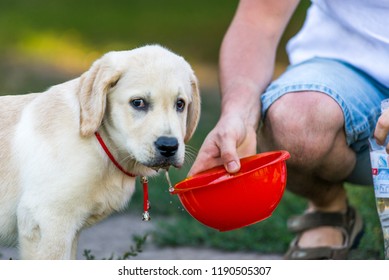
[232, 166]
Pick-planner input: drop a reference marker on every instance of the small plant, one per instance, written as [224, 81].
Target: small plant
[132, 252]
[88, 255]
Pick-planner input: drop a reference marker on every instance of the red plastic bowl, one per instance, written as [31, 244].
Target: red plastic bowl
[226, 201]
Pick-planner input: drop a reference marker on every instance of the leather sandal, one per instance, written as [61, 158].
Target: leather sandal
[350, 223]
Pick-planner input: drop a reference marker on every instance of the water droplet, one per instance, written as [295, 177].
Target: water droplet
[171, 189]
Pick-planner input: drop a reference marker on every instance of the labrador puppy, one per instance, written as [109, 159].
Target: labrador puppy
[56, 178]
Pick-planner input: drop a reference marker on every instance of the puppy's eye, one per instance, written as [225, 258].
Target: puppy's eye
[139, 104]
[180, 105]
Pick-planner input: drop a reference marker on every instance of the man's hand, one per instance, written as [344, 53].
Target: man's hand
[382, 129]
[230, 140]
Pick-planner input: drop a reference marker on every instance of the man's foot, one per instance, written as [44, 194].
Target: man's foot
[324, 235]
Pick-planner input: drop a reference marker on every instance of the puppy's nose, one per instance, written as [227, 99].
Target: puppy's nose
[167, 146]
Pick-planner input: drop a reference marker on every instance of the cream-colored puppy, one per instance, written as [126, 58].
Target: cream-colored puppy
[55, 177]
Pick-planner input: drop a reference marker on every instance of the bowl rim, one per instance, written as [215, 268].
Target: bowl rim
[220, 170]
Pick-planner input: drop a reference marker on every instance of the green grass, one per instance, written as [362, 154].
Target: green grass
[46, 42]
[270, 236]
[132, 252]
[193, 27]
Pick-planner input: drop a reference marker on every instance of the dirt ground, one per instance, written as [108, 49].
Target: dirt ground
[114, 236]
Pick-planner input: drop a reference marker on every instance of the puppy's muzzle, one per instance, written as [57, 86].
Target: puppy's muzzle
[167, 146]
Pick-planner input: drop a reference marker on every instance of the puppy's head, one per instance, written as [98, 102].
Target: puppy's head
[148, 102]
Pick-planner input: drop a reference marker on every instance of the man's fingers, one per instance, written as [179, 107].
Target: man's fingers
[382, 129]
[229, 156]
[208, 157]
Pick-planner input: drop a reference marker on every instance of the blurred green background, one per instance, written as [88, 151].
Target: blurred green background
[43, 43]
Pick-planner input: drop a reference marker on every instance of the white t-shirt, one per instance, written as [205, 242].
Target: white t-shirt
[355, 31]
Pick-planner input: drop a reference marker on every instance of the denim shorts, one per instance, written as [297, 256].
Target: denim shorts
[358, 94]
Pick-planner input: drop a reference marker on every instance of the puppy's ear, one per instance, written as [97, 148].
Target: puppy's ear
[92, 94]
[193, 110]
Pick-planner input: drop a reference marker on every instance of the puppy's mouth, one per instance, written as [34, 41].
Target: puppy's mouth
[163, 164]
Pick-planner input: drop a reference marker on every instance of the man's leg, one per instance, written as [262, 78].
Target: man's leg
[310, 125]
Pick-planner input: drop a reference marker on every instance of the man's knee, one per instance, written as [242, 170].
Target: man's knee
[305, 124]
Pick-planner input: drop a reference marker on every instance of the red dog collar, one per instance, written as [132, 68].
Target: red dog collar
[146, 202]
